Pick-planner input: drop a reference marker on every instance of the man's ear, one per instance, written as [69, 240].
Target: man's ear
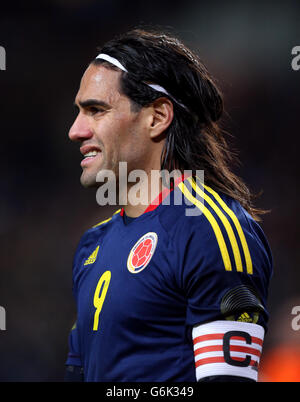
[162, 116]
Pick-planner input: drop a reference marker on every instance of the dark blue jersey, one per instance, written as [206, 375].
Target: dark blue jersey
[140, 287]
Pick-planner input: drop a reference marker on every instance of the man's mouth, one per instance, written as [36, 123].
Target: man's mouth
[89, 154]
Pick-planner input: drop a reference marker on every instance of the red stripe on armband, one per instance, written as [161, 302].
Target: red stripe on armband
[227, 348]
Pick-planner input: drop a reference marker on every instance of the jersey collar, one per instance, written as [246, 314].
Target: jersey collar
[162, 195]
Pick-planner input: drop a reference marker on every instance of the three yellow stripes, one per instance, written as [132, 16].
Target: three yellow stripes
[216, 227]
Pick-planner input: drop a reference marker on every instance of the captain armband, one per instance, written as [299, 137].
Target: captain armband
[230, 348]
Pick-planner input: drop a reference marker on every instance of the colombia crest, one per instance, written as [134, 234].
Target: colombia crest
[141, 253]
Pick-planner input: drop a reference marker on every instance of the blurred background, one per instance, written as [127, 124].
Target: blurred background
[43, 209]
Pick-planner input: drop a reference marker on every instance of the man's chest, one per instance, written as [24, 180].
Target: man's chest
[126, 280]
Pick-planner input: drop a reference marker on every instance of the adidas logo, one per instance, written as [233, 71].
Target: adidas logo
[92, 257]
[245, 317]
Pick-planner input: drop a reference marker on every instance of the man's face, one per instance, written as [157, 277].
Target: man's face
[106, 128]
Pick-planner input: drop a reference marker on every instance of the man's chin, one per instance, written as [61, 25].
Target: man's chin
[88, 182]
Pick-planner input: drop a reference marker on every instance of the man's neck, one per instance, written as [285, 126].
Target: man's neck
[151, 193]
[139, 197]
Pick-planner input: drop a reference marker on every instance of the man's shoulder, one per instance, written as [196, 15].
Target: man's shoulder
[196, 207]
[214, 224]
[100, 225]
[90, 238]
[199, 206]
[99, 228]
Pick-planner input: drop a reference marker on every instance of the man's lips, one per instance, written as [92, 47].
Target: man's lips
[90, 152]
[85, 149]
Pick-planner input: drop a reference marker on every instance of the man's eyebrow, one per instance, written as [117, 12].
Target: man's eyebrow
[92, 102]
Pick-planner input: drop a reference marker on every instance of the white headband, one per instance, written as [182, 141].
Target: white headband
[156, 87]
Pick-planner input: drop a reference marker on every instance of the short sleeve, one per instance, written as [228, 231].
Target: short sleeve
[216, 279]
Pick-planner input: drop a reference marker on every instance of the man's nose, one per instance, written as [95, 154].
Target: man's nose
[80, 129]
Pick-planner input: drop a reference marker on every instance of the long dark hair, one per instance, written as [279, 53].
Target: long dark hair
[194, 139]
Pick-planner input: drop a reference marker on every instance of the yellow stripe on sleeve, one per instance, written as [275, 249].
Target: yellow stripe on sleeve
[239, 229]
[214, 225]
[225, 221]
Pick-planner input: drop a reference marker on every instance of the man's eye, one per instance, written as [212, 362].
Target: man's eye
[95, 110]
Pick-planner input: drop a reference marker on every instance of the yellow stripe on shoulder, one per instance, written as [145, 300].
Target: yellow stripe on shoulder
[225, 222]
[214, 225]
[237, 225]
[106, 220]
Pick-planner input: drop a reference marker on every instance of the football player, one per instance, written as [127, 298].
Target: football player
[163, 294]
